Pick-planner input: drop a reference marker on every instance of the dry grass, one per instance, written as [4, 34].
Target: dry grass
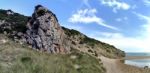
[15, 58]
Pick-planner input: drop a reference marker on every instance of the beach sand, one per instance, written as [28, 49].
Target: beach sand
[116, 66]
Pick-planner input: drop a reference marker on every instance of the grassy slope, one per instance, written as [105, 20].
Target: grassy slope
[15, 58]
[93, 45]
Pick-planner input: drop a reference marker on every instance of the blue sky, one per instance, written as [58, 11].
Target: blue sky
[123, 23]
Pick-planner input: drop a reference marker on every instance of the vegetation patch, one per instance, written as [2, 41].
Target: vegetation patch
[41, 12]
[17, 22]
[71, 32]
[26, 60]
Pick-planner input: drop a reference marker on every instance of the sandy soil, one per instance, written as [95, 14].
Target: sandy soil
[116, 66]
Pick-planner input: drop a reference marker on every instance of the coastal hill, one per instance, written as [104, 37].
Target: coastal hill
[56, 49]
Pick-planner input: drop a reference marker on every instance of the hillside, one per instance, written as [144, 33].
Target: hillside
[92, 46]
[16, 58]
[77, 39]
[81, 57]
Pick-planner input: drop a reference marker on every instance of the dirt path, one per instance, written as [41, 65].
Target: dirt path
[115, 66]
[111, 65]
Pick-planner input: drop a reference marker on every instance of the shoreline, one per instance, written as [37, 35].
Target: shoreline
[117, 66]
[136, 57]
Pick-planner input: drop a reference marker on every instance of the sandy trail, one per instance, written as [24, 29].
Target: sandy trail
[111, 65]
[115, 66]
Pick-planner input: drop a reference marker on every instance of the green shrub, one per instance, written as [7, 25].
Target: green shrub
[17, 21]
[26, 59]
[71, 32]
[41, 12]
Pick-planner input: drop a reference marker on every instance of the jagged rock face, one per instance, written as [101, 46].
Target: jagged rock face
[44, 32]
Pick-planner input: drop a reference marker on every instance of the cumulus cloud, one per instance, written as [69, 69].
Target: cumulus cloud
[116, 5]
[139, 43]
[89, 16]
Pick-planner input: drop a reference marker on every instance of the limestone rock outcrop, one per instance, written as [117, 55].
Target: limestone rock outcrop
[44, 32]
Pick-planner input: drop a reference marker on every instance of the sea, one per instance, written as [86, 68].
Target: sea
[138, 62]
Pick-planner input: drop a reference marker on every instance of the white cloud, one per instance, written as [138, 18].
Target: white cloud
[146, 26]
[121, 19]
[86, 2]
[134, 7]
[135, 44]
[125, 18]
[146, 2]
[89, 16]
[116, 5]
[129, 44]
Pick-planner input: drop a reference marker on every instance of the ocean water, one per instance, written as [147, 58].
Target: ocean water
[137, 54]
[138, 62]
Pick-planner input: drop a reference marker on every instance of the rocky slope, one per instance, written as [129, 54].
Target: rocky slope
[43, 32]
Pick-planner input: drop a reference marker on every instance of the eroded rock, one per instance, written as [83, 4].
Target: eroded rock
[44, 32]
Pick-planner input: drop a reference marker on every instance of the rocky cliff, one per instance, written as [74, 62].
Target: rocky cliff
[43, 32]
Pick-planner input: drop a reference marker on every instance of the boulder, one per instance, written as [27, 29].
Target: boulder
[145, 67]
